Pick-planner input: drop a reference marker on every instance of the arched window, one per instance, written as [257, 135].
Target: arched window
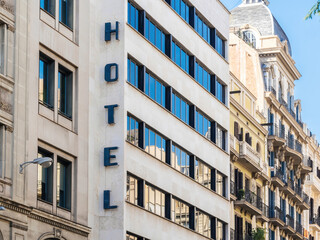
[249, 38]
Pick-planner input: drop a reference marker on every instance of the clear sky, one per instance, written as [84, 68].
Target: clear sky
[304, 37]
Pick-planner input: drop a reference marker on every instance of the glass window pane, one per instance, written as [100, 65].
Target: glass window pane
[152, 87]
[152, 33]
[158, 93]
[158, 38]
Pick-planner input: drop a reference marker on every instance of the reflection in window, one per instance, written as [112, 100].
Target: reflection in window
[46, 81]
[220, 45]
[45, 179]
[154, 200]
[202, 223]
[65, 92]
[180, 57]
[180, 212]
[221, 184]
[132, 190]
[155, 144]
[155, 89]
[132, 72]
[180, 160]
[203, 76]
[155, 35]
[180, 108]
[132, 131]
[249, 38]
[221, 137]
[221, 234]
[203, 173]
[64, 183]
[133, 16]
[220, 92]
[181, 8]
[202, 28]
[48, 5]
[66, 12]
[203, 125]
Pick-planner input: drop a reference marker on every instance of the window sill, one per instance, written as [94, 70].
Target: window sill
[45, 111]
[225, 151]
[47, 18]
[166, 219]
[190, 178]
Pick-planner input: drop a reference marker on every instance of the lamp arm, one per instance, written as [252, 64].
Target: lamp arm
[23, 165]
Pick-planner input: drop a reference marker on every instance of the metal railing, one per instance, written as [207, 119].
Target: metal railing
[290, 221]
[294, 144]
[315, 220]
[298, 146]
[253, 199]
[307, 161]
[248, 236]
[299, 228]
[289, 183]
[272, 90]
[276, 212]
[306, 198]
[265, 210]
[275, 130]
[277, 172]
[298, 190]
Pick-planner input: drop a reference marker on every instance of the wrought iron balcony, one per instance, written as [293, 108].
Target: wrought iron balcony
[265, 213]
[248, 236]
[276, 216]
[289, 225]
[315, 220]
[249, 201]
[299, 228]
[294, 149]
[272, 90]
[275, 130]
[277, 177]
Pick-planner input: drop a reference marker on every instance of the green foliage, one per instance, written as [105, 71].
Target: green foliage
[315, 10]
[240, 194]
[258, 234]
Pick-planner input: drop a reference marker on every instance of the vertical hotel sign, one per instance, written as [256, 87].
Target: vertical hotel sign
[109, 158]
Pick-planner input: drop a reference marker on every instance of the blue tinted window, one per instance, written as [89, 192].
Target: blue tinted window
[132, 73]
[181, 8]
[155, 144]
[180, 108]
[180, 57]
[180, 160]
[66, 12]
[220, 91]
[155, 89]
[220, 46]
[154, 35]
[202, 76]
[48, 5]
[203, 125]
[133, 16]
[202, 28]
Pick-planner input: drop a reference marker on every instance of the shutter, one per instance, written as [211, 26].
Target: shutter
[240, 180]
[250, 141]
[241, 135]
[236, 130]
[247, 137]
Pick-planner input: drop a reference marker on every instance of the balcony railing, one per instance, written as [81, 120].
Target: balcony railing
[299, 228]
[294, 144]
[276, 212]
[277, 172]
[248, 236]
[265, 210]
[290, 221]
[305, 198]
[272, 90]
[253, 199]
[289, 183]
[246, 149]
[315, 220]
[298, 190]
[307, 161]
[275, 130]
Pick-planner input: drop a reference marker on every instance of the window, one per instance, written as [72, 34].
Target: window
[132, 131]
[46, 81]
[154, 200]
[203, 76]
[45, 179]
[220, 92]
[180, 160]
[203, 223]
[133, 73]
[65, 92]
[48, 5]
[249, 38]
[155, 89]
[181, 8]
[133, 16]
[203, 125]
[221, 184]
[221, 232]
[179, 56]
[132, 190]
[3, 47]
[221, 138]
[66, 12]
[180, 212]
[63, 183]
[131, 236]
[202, 28]
[155, 35]
[203, 173]
[155, 144]
[220, 45]
[180, 108]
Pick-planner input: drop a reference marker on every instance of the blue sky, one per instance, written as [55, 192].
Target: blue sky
[304, 37]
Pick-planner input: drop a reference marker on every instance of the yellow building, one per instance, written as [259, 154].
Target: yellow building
[249, 167]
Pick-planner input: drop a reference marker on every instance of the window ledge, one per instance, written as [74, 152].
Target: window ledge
[225, 198]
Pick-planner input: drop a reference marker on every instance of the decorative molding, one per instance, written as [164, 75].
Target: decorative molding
[19, 226]
[7, 5]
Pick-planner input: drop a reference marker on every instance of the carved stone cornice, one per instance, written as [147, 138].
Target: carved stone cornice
[7, 5]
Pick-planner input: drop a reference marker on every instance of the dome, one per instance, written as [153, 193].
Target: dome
[259, 16]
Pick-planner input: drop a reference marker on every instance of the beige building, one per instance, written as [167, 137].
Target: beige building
[43, 94]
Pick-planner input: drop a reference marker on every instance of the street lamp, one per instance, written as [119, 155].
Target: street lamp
[44, 162]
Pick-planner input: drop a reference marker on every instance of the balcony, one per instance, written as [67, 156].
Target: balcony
[276, 216]
[307, 165]
[234, 145]
[314, 223]
[272, 90]
[264, 217]
[233, 195]
[298, 193]
[232, 234]
[277, 177]
[305, 204]
[250, 158]
[314, 181]
[294, 150]
[277, 135]
[288, 188]
[249, 201]
[299, 231]
[289, 225]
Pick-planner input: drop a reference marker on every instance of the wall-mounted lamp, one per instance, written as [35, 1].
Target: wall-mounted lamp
[44, 162]
[235, 92]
